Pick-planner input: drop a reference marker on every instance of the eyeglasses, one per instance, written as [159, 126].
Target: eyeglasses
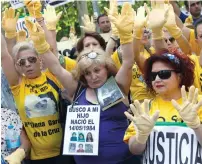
[163, 74]
[171, 39]
[31, 59]
[91, 55]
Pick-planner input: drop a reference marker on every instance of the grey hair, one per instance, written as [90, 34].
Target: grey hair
[21, 46]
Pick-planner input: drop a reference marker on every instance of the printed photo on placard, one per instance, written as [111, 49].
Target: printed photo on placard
[72, 147]
[74, 136]
[89, 148]
[80, 148]
[89, 137]
[81, 137]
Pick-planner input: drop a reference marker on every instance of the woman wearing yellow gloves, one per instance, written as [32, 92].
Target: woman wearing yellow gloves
[36, 99]
[166, 129]
[93, 69]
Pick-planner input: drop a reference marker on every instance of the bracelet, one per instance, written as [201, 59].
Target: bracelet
[40, 20]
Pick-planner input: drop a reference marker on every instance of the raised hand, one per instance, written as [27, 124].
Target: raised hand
[113, 10]
[171, 25]
[143, 122]
[124, 23]
[89, 25]
[9, 22]
[37, 35]
[51, 18]
[190, 105]
[34, 8]
[140, 22]
[157, 18]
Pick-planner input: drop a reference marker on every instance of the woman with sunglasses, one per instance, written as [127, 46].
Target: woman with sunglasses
[166, 129]
[36, 100]
[93, 69]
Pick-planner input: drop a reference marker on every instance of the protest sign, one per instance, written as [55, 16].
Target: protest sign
[82, 130]
[16, 4]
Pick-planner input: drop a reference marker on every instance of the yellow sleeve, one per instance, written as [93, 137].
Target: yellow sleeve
[15, 90]
[115, 58]
[70, 64]
[194, 45]
[197, 73]
[200, 109]
[130, 131]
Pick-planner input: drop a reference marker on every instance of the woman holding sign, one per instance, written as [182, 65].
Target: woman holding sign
[93, 69]
[167, 129]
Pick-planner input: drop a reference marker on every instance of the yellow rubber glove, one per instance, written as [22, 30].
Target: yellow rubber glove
[37, 35]
[113, 10]
[190, 105]
[51, 18]
[157, 17]
[89, 25]
[140, 22]
[124, 22]
[171, 25]
[143, 122]
[34, 8]
[21, 36]
[9, 22]
[16, 157]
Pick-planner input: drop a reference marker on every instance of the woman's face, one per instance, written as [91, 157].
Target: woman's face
[28, 64]
[96, 75]
[90, 42]
[80, 136]
[170, 41]
[89, 135]
[166, 85]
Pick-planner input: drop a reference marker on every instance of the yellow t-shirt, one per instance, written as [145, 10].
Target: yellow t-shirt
[69, 63]
[167, 114]
[138, 86]
[194, 45]
[197, 73]
[37, 102]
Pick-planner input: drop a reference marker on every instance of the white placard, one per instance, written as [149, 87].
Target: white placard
[82, 130]
[65, 47]
[57, 3]
[16, 3]
[172, 145]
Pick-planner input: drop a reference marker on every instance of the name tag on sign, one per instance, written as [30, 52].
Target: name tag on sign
[82, 130]
[172, 144]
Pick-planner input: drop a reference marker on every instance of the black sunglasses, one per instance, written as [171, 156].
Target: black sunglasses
[171, 39]
[163, 74]
[31, 59]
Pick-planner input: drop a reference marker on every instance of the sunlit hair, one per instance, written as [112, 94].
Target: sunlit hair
[21, 46]
[178, 61]
[84, 62]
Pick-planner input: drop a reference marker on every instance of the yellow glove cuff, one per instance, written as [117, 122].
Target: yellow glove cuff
[194, 124]
[51, 27]
[10, 35]
[157, 34]
[18, 154]
[175, 31]
[142, 139]
[126, 38]
[42, 48]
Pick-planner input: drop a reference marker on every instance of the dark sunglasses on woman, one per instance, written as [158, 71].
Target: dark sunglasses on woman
[171, 39]
[30, 59]
[163, 74]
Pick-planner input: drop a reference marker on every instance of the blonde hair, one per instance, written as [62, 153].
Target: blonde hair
[21, 46]
[84, 62]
